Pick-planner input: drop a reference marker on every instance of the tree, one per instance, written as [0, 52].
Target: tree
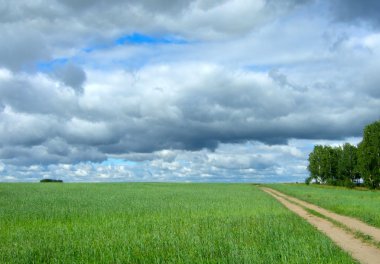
[323, 164]
[315, 164]
[347, 165]
[369, 155]
[330, 164]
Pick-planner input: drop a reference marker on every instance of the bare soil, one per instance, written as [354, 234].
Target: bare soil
[359, 250]
[351, 223]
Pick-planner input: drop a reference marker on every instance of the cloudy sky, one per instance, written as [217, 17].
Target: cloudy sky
[202, 90]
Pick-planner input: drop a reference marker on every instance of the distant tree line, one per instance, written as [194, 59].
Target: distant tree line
[348, 165]
[50, 180]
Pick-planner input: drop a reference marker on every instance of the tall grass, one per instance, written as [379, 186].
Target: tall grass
[362, 204]
[154, 223]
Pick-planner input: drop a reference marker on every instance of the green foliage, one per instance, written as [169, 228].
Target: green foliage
[315, 164]
[362, 204]
[348, 165]
[50, 180]
[323, 164]
[330, 164]
[369, 155]
[308, 180]
[154, 223]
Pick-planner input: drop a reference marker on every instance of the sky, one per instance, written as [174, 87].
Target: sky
[182, 91]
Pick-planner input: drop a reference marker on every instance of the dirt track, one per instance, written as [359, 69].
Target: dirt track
[363, 252]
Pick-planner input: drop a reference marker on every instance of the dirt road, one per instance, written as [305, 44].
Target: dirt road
[363, 252]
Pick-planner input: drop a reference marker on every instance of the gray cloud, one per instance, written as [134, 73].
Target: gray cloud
[233, 163]
[150, 5]
[71, 75]
[20, 48]
[37, 95]
[354, 11]
[39, 31]
[70, 95]
[119, 113]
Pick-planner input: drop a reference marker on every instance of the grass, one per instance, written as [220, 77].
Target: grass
[361, 204]
[154, 223]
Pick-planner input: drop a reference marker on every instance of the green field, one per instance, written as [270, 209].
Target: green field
[361, 204]
[154, 223]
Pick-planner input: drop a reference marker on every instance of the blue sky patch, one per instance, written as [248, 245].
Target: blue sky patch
[131, 39]
[48, 66]
[137, 38]
[113, 161]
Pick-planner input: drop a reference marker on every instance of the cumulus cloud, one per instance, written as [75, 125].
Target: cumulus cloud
[36, 94]
[357, 11]
[164, 107]
[71, 75]
[20, 48]
[39, 31]
[182, 99]
[251, 161]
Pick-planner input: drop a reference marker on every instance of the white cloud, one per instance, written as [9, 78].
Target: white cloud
[283, 73]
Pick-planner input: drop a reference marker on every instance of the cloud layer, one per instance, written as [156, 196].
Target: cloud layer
[176, 91]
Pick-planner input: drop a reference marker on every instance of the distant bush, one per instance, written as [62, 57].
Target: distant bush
[308, 180]
[50, 180]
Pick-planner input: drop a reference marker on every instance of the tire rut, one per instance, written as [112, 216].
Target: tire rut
[359, 250]
[351, 223]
